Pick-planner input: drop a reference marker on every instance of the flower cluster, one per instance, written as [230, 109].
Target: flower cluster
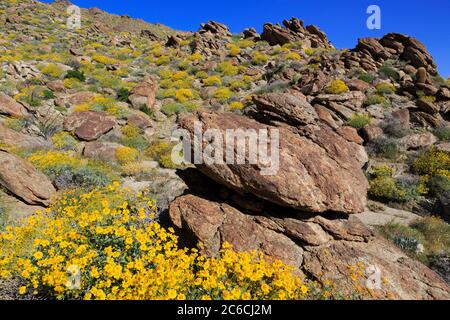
[106, 244]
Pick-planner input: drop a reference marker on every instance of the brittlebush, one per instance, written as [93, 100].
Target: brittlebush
[106, 244]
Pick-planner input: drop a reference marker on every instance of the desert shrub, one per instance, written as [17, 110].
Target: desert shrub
[386, 148]
[234, 50]
[161, 151]
[223, 94]
[439, 186]
[125, 155]
[337, 87]
[238, 84]
[227, 68]
[259, 58]
[3, 214]
[388, 70]
[52, 70]
[236, 106]
[384, 187]
[104, 59]
[184, 95]
[359, 121]
[67, 171]
[431, 232]
[111, 240]
[172, 109]
[15, 124]
[72, 83]
[366, 77]
[375, 99]
[76, 74]
[385, 88]
[212, 81]
[132, 137]
[123, 94]
[433, 161]
[292, 56]
[64, 141]
[393, 128]
[430, 99]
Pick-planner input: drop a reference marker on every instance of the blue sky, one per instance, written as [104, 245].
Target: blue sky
[344, 21]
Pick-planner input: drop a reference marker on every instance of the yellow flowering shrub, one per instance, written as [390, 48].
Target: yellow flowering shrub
[104, 59]
[126, 155]
[292, 56]
[223, 94]
[227, 68]
[259, 58]
[106, 244]
[212, 81]
[64, 141]
[52, 70]
[337, 87]
[432, 162]
[234, 50]
[184, 95]
[236, 105]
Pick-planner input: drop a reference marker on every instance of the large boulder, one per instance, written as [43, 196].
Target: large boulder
[17, 139]
[144, 93]
[322, 168]
[23, 180]
[10, 107]
[325, 249]
[286, 107]
[89, 125]
[294, 30]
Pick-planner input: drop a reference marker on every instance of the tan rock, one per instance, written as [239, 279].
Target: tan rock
[89, 125]
[11, 107]
[323, 168]
[23, 180]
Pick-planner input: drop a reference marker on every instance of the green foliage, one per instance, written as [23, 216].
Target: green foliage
[431, 232]
[385, 88]
[172, 109]
[388, 70]
[366, 77]
[52, 70]
[76, 74]
[375, 99]
[386, 148]
[123, 94]
[133, 137]
[384, 187]
[359, 121]
[223, 94]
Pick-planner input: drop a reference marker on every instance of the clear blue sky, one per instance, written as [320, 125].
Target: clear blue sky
[344, 21]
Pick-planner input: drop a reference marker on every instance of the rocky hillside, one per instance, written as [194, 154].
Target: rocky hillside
[364, 179]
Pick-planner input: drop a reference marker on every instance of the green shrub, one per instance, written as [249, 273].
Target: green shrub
[443, 133]
[67, 171]
[386, 148]
[76, 74]
[366, 77]
[431, 232]
[123, 94]
[388, 70]
[375, 99]
[359, 121]
[172, 109]
[223, 94]
[385, 88]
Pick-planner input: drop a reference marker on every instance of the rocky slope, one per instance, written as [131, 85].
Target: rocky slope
[82, 108]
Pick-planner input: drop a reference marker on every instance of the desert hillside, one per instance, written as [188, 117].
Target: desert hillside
[93, 204]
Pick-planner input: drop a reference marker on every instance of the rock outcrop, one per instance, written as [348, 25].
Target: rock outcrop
[89, 125]
[24, 181]
[295, 30]
[324, 172]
